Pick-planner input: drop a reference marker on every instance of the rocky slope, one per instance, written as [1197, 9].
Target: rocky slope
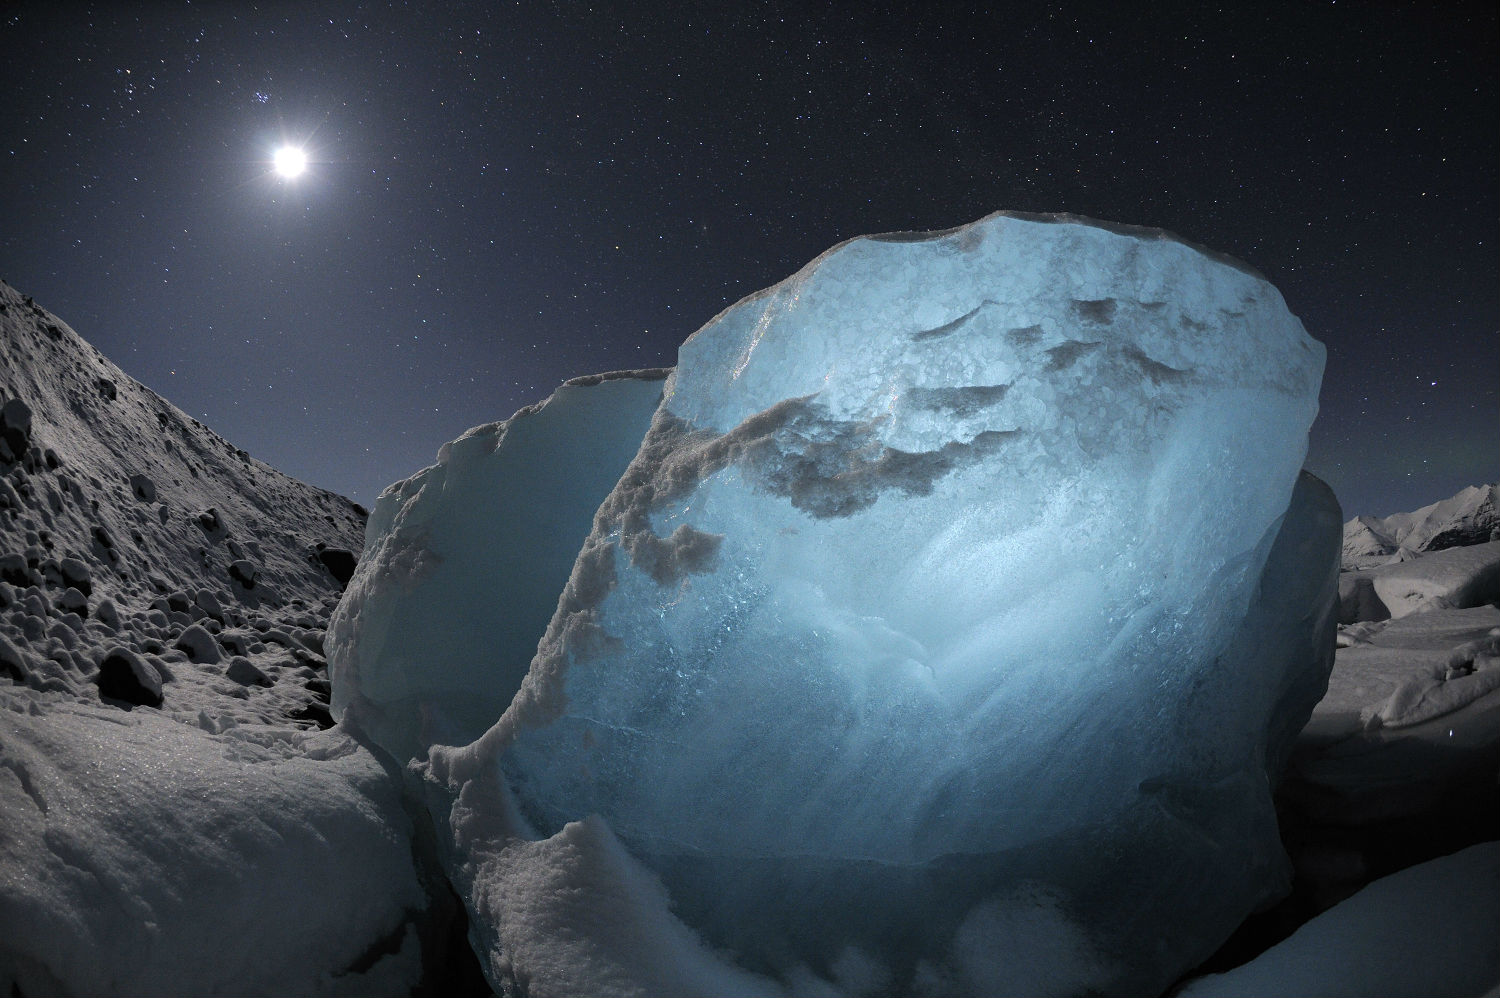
[124, 521]
[178, 814]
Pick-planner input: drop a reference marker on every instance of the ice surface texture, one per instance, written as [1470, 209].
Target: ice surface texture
[463, 563]
[955, 609]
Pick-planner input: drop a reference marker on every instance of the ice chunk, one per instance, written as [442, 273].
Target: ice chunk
[1454, 577]
[463, 562]
[952, 564]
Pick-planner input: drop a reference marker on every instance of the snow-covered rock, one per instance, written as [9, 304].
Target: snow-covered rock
[1456, 577]
[947, 576]
[1470, 517]
[1427, 930]
[463, 562]
[127, 677]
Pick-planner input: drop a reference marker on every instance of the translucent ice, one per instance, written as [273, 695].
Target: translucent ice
[463, 562]
[957, 605]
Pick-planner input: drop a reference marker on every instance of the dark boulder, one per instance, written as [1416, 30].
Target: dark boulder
[126, 677]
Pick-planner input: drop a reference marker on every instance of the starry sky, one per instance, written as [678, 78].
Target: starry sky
[503, 196]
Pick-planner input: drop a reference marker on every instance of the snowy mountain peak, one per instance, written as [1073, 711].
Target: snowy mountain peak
[1470, 517]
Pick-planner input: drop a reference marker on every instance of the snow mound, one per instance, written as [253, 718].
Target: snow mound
[1427, 930]
[946, 570]
[1470, 517]
[1455, 578]
[143, 856]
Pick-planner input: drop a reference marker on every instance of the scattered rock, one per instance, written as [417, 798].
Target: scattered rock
[143, 488]
[125, 676]
[15, 427]
[244, 572]
[12, 662]
[76, 575]
[316, 713]
[74, 601]
[106, 614]
[199, 645]
[209, 604]
[211, 522]
[13, 569]
[244, 672]
[235, 642]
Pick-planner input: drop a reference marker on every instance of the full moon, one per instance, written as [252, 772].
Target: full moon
[289, 161]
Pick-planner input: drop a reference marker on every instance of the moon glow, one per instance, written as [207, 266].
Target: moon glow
[289, 161]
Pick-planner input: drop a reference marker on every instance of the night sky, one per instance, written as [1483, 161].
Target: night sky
[505, 196]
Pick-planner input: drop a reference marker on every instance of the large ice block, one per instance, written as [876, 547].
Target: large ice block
[956, 612]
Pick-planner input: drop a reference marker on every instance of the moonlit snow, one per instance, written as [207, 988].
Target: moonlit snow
[174, 816]
[1424, 931]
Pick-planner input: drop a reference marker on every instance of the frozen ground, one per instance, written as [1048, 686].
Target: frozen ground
[227, 839]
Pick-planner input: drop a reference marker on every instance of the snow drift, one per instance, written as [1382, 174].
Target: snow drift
[944, 633]
[172, 820]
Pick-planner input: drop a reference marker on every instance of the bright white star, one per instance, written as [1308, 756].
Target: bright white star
[289, 161]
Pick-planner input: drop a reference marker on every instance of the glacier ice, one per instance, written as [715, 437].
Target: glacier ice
[463, 561]
[956, 613]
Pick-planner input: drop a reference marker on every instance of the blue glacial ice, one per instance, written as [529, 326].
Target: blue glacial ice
[946, 632]
[464, 560]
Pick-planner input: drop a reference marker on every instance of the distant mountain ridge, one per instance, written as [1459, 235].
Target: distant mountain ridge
[1470, 517]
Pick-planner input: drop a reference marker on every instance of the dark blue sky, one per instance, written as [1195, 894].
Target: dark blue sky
[505, 196]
